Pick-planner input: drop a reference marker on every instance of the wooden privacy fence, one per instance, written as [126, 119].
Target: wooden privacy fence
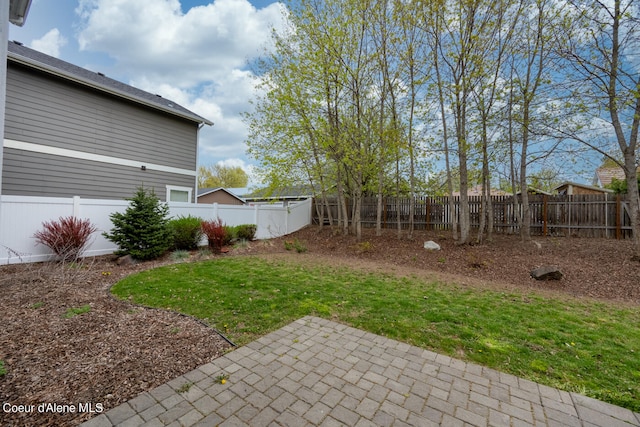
[577, 215]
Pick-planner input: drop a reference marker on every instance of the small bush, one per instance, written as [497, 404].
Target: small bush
[246, 231]
[186, 232]
[215, 232]
[229, 235]
[67, 238]
[204, 252]
[295, 244]
[180, 255]
[142, 231]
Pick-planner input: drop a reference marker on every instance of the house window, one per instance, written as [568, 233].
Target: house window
[178, 194]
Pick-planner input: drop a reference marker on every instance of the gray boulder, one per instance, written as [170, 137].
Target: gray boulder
[125, 260]
[431, 246]
[546, 272]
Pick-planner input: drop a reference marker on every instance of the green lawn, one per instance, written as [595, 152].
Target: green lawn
[588, 347]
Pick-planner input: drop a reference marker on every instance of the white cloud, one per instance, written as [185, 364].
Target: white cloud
[197, 59]
[50, 43]
[155, 37]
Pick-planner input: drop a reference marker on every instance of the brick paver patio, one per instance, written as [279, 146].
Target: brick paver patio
[315, 372]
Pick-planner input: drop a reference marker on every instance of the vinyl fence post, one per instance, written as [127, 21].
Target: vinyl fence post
[76, 206]
[287, 211]
[255, 214]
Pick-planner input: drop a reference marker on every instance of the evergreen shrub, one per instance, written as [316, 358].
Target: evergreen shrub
[142, 231]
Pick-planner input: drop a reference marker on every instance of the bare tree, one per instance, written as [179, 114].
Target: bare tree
[602, 48]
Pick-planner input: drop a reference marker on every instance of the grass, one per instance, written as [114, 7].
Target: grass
[3, 370]
[184, 388]
[75, 311]
[584, 346]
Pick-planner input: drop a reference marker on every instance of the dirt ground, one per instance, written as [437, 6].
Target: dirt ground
[115, 350]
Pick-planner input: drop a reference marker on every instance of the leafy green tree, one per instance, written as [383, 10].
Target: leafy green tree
[546, 179]
[619, 186]
[222, 176]
[142, 231]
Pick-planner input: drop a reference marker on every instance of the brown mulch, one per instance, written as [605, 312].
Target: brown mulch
[596, 268]
[116, 350]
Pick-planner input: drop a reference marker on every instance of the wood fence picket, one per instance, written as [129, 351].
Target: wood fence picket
[576, 215]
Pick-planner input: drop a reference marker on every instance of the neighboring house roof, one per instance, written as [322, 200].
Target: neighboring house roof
[294, 192]
[477, 191]
[205, 191]
[585, 186]
[604, 176]
[20, 54]
[533, 190]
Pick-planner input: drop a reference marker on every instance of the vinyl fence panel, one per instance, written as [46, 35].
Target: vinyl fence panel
[22, 216]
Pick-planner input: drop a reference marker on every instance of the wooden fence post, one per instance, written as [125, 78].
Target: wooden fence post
[427, 215]
[618, 218]
[544, 215]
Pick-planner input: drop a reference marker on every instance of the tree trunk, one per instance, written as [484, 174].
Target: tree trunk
[634, 204]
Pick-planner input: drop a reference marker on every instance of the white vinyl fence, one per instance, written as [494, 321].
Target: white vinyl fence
[21, 217]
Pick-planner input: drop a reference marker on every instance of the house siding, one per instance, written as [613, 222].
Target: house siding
[219, 197]
[51, 112]
[66, 177]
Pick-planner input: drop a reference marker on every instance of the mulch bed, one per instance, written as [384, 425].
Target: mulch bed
[116, 350]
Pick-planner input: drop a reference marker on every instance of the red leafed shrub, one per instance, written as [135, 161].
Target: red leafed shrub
[215, 231]
[67, 238]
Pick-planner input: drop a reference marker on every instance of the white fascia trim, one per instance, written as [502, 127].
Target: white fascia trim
[64, 152]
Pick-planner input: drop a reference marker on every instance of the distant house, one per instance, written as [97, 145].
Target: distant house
[219, 195]
[74, 132]
[605, 175]
[573, 188]
[283, 196]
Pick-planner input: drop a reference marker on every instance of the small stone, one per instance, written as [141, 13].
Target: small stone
[431, 246]
[125, 260]
[546, 272]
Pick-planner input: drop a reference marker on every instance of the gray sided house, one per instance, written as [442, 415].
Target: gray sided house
[74, 132]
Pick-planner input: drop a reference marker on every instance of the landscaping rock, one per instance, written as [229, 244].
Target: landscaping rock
[546, 272]
[431, 246]
[125, 260]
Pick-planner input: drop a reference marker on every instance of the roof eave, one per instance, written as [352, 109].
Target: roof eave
[68, 76]
[18, 11]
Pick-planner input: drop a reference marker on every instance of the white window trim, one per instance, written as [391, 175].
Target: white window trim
[170, 188]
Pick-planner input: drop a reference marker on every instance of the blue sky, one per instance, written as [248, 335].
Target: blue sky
[193, 52]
